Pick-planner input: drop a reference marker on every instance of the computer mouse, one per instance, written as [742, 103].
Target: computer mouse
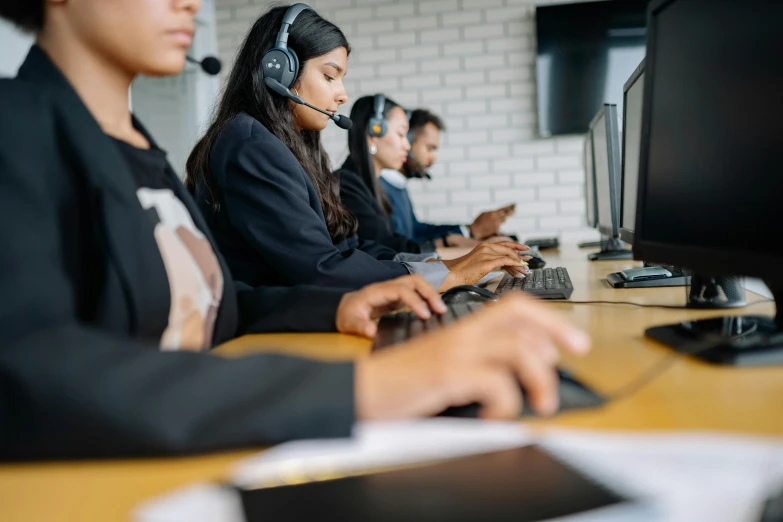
[574, 395]
[535, 261]
[464, 294]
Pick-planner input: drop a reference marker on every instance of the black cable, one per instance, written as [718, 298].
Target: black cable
[657, 369]
[674, 307]
[647, 376]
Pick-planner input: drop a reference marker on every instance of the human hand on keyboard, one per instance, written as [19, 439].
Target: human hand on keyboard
[482, 358]
[485, 258]
[357, 311]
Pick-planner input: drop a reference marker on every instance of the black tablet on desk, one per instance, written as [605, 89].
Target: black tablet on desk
[521, 485]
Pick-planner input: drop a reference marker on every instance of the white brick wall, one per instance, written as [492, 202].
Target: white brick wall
[472, 62]
[176, 110]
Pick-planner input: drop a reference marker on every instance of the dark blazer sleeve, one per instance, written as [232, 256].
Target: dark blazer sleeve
[424, 231]
[373, 225]
[68, 389]
[300, 308]
[266, 199]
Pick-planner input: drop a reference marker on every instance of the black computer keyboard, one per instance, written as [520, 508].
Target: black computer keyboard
[546, 283]
[396, 328]
[543, 242]
[399, 327]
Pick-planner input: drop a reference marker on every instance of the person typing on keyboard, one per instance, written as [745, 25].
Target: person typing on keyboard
[482, 358]
[113, 289]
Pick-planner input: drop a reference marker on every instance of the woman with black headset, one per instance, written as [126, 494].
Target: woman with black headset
[378, 140]
[111, 287]
[263, 180]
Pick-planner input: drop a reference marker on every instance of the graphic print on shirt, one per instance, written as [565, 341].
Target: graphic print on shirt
[194, 274]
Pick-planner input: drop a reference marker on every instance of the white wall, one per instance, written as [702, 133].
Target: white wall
[472, 62]
[176, 110]
[13, 48]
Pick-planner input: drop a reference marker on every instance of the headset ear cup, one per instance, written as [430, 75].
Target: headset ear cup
[376, 127]
[286, 76]
[295, 61]
[274, 64]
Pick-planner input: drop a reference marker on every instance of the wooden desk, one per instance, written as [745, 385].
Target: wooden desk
[687, 395]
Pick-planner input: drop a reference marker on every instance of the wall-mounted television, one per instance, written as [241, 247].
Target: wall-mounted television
[586, 52]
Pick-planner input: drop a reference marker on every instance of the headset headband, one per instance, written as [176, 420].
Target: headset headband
[379, 102]
[288, 19]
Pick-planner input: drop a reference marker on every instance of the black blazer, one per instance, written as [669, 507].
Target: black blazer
[270, 225]
[84, 298]
[374, 225]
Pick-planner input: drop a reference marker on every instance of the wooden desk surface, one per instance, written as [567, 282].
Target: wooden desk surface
[687, 395]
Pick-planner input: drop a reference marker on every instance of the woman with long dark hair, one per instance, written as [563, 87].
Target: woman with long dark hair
[360, 191]
[263, 180]
[111, 288]
[376, 141]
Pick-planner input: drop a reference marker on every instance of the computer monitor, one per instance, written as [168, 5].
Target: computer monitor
[711, 165]
[633, 92]
[606, 158]
[590, 203]
[605, 137]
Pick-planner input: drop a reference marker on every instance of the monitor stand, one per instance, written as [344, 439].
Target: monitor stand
[611, 250]
[744, 340]
[716, 292]
[591, 244]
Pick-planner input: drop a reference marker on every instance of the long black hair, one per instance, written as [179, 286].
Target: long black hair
[309, 36]
[359, 157]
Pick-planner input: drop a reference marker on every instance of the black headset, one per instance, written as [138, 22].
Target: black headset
[281, 63]
[408, 114]
[377, 125]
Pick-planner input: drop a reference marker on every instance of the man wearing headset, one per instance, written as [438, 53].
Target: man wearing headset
[424, 135]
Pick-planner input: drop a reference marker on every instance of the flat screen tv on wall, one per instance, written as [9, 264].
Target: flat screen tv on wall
[586, 52]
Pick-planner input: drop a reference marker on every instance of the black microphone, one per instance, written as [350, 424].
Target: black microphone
[342, 121]
[209, 64]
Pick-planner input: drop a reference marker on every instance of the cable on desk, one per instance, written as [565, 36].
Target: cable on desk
[647, 376]
[672, 307]
[657, 369]
[654, 371]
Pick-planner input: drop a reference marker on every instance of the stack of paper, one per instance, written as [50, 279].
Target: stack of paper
[677, 477]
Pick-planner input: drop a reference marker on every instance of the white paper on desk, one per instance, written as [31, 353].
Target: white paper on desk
[374, 444]
[686, 476]
[379, 444]
[679, 477]
[196, 503]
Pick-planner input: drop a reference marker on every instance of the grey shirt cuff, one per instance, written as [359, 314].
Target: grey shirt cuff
[404, 257]
[434, 273]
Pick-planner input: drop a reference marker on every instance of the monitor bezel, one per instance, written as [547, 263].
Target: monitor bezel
[705, 261]
[627, 234]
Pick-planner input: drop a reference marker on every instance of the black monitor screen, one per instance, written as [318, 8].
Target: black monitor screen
[632, 139]
[712, 173]
[585, 52]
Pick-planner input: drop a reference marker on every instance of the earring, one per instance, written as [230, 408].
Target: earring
[296, 92]
[373, 149]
